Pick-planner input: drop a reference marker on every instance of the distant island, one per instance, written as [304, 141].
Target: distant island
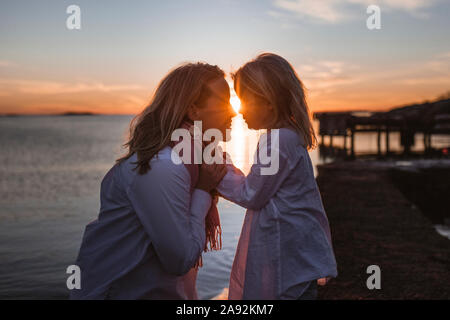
[9, 115]
[63, 114]
[76, 113]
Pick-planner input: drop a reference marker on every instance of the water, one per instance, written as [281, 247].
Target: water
[49, 186]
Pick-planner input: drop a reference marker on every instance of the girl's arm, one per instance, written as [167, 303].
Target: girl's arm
[255, 190]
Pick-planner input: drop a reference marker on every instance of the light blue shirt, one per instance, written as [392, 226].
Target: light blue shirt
[148, 236]
[285, 239]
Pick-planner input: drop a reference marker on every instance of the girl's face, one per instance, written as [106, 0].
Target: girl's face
[257, 112]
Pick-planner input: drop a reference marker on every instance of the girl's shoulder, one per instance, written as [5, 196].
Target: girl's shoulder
[290, 138]
[292, 145]
[283, 138]
[286, 142]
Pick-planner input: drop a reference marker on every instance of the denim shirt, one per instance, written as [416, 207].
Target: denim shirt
[148, 236]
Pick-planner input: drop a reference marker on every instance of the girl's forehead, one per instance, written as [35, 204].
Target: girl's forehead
[247, 94]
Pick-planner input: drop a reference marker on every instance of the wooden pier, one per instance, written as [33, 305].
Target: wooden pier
[428, 119]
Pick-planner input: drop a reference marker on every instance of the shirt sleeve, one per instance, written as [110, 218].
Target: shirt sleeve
[255, 190]
[173, 218]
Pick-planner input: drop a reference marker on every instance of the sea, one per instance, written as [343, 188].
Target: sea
[50, 174]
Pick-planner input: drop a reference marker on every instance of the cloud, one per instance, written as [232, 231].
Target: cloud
[326, 76]
[35, 96]
[321, 10]
[336, 85]
[50, 87]
[405, 5]
[6, 63]
[334, 11]
[434, 71]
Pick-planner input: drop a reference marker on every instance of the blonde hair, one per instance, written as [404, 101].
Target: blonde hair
[273, 79]
[151, 130]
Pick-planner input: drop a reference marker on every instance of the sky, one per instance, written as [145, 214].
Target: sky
[124, 48]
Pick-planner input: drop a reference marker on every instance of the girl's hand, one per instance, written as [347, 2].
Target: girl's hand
[323, 281]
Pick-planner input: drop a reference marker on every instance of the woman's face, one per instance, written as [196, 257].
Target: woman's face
[257, 113]
[217, 112]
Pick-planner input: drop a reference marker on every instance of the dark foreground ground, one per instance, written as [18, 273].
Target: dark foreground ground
[374, 223]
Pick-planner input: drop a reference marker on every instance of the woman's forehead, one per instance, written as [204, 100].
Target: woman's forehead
[220, 89]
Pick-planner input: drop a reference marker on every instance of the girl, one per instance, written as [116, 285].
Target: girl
[285, 244]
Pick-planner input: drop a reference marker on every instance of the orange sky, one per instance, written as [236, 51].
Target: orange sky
[51, 98]
[114, 62]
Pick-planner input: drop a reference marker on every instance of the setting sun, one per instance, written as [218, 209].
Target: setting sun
[234, 100]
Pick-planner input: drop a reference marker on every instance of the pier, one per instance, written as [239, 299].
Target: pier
[428, 118]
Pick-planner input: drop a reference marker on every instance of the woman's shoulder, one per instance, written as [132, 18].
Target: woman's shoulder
[164, 163]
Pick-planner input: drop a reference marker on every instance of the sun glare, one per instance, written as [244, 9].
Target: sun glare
[235, 103]
[234, 100]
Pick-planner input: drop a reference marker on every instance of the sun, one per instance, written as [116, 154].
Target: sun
[235, 103]
[234, 100]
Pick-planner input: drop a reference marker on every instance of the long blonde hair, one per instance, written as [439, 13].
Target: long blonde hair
[273, 79]
[151, 130]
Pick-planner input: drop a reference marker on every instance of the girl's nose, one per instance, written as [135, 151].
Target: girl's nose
[232, 112]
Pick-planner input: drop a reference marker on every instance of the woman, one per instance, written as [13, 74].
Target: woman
[151, 229]
[285, 244]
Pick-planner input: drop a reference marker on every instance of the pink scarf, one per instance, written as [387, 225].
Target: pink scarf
[212, 221]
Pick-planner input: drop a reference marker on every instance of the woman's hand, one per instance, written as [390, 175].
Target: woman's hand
[210, 175]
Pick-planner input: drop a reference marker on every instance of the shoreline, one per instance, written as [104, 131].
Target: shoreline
[373, 223]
